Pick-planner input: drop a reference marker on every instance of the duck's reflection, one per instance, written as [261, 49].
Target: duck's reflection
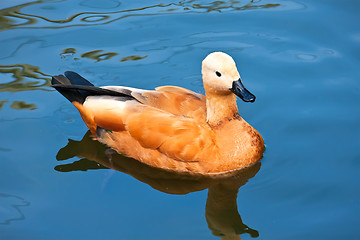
[221, 212]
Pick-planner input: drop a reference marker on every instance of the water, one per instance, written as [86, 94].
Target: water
[301, 60]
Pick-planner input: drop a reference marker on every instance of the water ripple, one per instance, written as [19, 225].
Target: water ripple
[10, 208]
[16, 16]
[98, 55]
[22, 73]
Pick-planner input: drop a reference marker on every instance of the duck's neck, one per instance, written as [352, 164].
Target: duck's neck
[220, 107]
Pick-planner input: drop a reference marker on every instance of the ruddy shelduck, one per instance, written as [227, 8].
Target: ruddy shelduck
[171, 127]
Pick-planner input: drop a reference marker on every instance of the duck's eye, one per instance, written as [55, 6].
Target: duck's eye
[218, 74]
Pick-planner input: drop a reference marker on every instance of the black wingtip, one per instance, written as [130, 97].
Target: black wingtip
[60, 79]
[76, 88]
[62, 83]
[76, 79]
[66, 85]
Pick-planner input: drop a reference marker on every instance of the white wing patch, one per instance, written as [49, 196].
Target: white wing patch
[121, 89]
[94, 103]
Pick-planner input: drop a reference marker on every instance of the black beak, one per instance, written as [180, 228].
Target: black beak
[240, 91]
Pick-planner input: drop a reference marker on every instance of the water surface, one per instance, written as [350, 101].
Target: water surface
[301, 60]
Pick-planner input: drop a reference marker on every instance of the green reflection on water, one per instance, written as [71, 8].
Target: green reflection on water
[229, 5]
[14, 17]
[21, 73]
[2, 103]
[67, 52]
[98, 56]
[133, 58]
[18, 105]
[9, 17]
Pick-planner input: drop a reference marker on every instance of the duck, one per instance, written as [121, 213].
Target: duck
[171, 127]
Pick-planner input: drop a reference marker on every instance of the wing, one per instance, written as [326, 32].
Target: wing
[178, 137]
[176, 100]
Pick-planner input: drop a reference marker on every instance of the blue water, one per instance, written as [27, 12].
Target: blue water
[300, 58]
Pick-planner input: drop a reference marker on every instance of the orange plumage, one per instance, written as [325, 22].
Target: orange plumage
[171, 127]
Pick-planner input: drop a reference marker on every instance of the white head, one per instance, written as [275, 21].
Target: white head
[221, 76]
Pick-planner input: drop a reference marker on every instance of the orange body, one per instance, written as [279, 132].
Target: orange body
[171, 127]
[168, 130]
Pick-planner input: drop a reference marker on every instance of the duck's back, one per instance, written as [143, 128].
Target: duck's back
[175, 100]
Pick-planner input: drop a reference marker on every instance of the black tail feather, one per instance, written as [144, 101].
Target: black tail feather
[60, 79]
[76, 88]
[76, 79]
[72, 95]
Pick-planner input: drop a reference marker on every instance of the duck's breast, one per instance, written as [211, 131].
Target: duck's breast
[239, 143]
